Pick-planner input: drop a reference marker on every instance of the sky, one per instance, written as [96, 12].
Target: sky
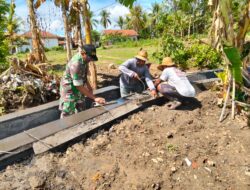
[51, 19]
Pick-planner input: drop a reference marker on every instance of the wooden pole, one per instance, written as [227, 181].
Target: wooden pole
[233, 99]
[225, 102]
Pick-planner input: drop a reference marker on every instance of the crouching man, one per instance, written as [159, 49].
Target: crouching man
[173, 83]
[74, 84]
[133, 71]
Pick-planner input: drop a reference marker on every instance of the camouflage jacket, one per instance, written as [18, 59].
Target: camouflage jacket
[74, 75]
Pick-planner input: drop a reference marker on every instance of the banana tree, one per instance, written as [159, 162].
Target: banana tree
[75, 21]
[37, 45]
[230, 44]
[64, 4]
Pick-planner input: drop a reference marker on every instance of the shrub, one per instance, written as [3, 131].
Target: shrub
[57, 48]
[174, 48]
[203, 56]
[195, 55]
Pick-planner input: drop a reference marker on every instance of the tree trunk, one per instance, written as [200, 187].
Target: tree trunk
[189, 26]
[66, 31]
[87, 22]
[37, 47]
[79, 32]
[92, 67]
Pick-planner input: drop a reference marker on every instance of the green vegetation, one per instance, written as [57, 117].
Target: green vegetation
[4, 8]
[191, 54]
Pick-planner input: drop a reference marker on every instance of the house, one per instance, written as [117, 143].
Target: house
[49, 40]
[132, 34]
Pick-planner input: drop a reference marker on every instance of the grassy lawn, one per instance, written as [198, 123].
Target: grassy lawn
[116, 55]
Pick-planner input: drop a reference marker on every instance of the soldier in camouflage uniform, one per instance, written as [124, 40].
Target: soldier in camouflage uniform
[74, 84]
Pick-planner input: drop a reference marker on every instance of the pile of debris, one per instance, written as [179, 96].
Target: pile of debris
[25, 85]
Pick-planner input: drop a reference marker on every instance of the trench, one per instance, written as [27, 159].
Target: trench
[21, 132]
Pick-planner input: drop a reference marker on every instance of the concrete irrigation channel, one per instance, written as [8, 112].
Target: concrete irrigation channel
[37, 130]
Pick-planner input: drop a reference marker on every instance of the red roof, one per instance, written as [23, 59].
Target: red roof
[121, 32]
[44, 34]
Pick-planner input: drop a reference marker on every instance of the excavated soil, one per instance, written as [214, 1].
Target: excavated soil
[148, 151]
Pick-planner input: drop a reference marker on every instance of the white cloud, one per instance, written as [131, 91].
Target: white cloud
[118, 10]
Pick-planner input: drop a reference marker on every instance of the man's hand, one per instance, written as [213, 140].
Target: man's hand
[100, 100]
[136, 76]
[154, 93]
[157, 81]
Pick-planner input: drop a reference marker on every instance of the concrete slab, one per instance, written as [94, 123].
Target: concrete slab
[19, 121]
[72, 133]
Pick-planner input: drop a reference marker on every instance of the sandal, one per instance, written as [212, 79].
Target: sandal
[173, 105]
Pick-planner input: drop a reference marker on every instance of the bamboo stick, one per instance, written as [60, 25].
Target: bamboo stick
[225, 103]
[233, 99]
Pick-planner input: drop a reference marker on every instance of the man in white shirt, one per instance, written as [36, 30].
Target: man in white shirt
[173, 83]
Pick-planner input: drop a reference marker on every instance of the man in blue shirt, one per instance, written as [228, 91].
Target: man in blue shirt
[133, 71]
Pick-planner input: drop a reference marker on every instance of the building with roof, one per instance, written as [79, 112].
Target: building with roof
[49, 40]
[132, 34]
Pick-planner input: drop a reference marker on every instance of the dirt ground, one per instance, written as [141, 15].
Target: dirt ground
[148, 151]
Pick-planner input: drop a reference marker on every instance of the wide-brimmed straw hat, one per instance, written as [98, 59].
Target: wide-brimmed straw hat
[166, 62]
[142, 55]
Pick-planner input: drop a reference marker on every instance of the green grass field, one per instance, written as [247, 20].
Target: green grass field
[114, 54]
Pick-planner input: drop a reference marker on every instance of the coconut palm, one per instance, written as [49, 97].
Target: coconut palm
[105, 18]
[121, 22]
[155, 13]
[93, 22]
[136, 18]
[13, 24]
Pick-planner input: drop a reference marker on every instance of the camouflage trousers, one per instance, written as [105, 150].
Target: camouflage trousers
[71, 107]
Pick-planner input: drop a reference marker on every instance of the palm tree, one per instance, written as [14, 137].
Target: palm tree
[136, 18]
[37, 46]
[121, 22]
[105, 18]
[93, 22]
[13, 24]
[127, 22]
[154, 15]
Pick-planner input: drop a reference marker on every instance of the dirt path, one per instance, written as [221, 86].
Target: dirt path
[147, 151]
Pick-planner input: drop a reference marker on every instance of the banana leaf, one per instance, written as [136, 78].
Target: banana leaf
[233, 56]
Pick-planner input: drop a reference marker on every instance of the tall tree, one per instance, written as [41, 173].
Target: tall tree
[92, 72]
[13, 24]
[64, 4]
[93, 21]
[155, 14]
[105, 18]
[75, 21]
[37, 46]
[136, 18]
[120, 22]
[86, 18]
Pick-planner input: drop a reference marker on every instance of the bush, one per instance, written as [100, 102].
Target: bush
[196, 55]
[57, 48]
[203, 56]
[174, 48]
[113, 38]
